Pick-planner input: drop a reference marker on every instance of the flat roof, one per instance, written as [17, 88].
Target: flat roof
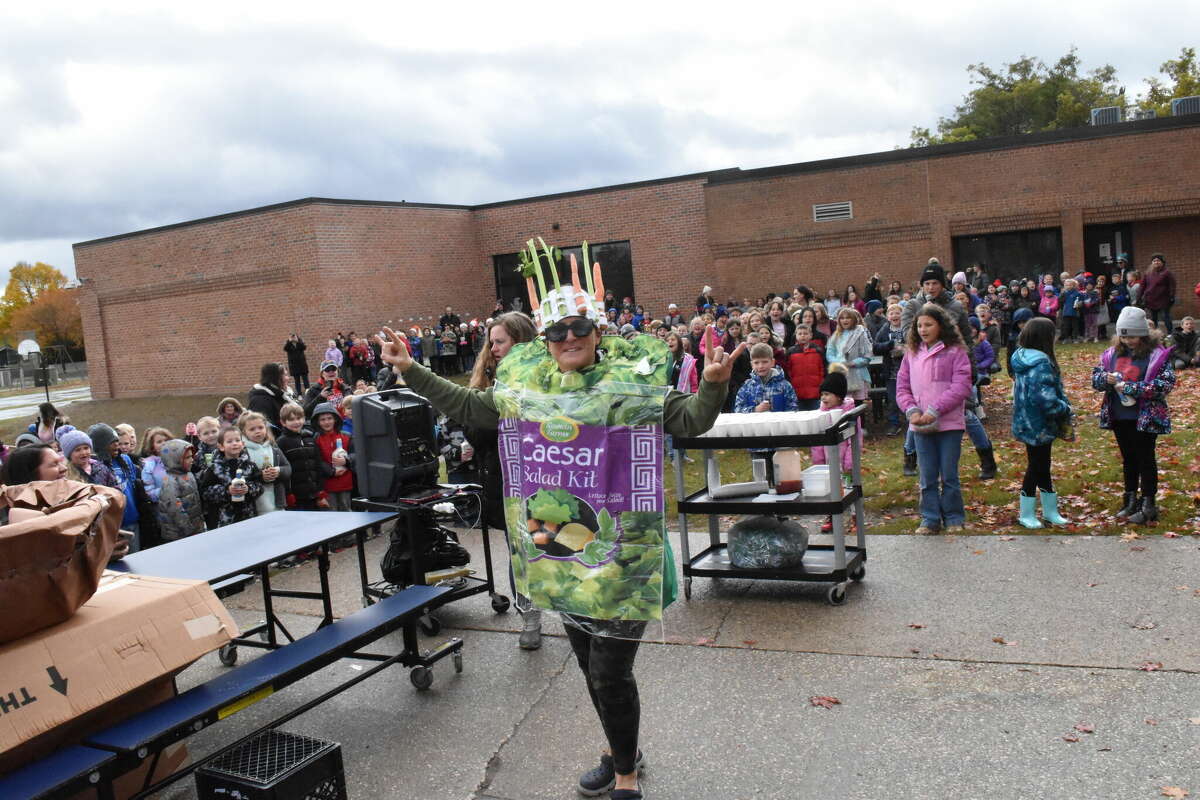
[735, 174]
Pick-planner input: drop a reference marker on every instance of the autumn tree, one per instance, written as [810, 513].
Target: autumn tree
[1183, 74]
[54, 318]
[1024, 97]
[26, 282]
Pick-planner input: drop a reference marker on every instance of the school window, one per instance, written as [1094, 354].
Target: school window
[1019, 254]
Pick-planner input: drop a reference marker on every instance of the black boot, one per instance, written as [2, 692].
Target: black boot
[910, 463]
[1130, 506]
[1147, 512]
[987, 464]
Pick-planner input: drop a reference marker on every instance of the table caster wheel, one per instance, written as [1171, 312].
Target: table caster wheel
[228, 654]
[687, 588]
[859, 572]
[421, 677]
[499, 603]
[458, 665]
[430, 625]
[836, 595]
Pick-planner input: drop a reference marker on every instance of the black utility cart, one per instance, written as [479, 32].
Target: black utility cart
[835, 563]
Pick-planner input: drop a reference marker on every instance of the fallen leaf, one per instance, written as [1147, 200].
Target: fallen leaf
[1070, 737]
[1137, 548]
[824, 701]
[915, 650]
[1151, 666]
[1091, 585]
[1170, 535]
[1150, 721]
[1001, 640]
[1007, 538]
[1194, 720]
[977, 552]
[1129, 536]
[705, 642]
[1174, 791]
[1085, 727]
[749, 642]
[1104, 750]
[916, 626]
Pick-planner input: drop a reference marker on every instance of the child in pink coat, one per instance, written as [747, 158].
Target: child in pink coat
[932, 387]
[834, 395]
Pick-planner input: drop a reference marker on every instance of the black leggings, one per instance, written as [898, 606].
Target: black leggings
[607, 664]
[1137, 457]
[1037, 469]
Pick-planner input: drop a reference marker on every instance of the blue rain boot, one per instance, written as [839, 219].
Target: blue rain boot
[1050, 509]
[1028, 516]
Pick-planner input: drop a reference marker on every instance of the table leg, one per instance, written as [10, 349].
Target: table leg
[326, 598]
[264, 573]
[361, 537]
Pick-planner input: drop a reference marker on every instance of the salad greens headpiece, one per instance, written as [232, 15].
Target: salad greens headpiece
[562, 301]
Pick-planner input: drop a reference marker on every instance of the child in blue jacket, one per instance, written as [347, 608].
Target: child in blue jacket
[1040, 408]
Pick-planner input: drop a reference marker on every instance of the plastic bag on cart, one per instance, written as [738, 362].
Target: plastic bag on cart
[437, 548]
[767, 542]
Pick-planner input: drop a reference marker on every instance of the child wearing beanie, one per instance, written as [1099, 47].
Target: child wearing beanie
[1135, 375]
[834, 394]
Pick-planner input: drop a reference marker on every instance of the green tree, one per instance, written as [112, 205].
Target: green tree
[26, 282]
[1183, 74]
[1023, 97]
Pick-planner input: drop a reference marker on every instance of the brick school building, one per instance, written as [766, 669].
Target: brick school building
[199, 306]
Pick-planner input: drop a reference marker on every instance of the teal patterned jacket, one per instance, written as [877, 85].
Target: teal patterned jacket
[1039, 402]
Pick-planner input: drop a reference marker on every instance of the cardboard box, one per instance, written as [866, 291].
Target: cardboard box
[135, 630]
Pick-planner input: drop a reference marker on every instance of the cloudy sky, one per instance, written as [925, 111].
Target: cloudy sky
[118, 117]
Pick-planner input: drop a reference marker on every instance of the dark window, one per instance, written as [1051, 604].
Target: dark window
[1019, 254]
[616, 263]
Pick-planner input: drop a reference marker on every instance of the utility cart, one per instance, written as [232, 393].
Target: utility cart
[836, 563]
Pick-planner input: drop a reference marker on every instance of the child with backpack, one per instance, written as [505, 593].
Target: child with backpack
[932, 388]
[1040, 410]
[233, 483]
[1135, 375]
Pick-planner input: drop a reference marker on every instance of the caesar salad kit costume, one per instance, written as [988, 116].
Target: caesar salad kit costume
[582, 458]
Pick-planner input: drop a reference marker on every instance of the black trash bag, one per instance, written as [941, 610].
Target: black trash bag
[767, 542]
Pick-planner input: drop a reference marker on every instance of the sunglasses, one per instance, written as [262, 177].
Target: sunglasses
[580, 327]
[330, 369]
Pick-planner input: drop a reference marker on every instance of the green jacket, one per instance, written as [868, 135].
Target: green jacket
[684, 414]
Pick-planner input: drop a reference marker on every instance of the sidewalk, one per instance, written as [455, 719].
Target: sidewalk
[931, 704]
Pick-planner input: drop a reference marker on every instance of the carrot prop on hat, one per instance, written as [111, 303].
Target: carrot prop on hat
[581, 300]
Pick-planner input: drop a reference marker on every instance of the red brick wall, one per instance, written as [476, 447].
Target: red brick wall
[1178, 240]
[199, 308]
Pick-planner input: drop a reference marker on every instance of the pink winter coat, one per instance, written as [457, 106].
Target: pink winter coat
[689, 378]
[937, 378]
[1048, 306]
[818, 453]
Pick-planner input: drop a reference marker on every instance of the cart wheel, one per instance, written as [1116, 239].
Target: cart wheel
[458, 667]
[421, 677]
[836, 595]
[859, 572]
[687, 588]
[430, 625]
[499, 603]
[228, 654]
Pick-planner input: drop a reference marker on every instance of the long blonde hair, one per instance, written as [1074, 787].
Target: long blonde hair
[249, 416]
[519, 328]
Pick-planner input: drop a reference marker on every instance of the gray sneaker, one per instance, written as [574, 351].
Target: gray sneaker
[531, 632]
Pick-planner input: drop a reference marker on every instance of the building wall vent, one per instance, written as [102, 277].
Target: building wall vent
[828, 212]
[1107, 115]
[1145, 113]
[1185, 105]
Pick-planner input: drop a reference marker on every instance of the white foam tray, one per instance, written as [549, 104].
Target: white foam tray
[773, 423]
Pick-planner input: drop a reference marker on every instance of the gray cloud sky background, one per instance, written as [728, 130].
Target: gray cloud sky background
[122, 116]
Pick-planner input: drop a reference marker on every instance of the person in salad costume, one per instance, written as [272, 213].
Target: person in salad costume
[581, 420]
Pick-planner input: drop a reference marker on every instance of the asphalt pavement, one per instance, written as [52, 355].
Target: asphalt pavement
[976, 667]
[26, 404]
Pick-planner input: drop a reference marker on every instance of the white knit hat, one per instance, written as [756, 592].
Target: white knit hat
[1132, 322]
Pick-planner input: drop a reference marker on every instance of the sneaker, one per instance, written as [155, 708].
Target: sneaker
[628, 794]
[925, 530]
[531, 631]
[894, 430]
[598, 780]
[953, 529]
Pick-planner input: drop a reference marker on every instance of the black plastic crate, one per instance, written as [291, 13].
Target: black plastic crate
[275, 766]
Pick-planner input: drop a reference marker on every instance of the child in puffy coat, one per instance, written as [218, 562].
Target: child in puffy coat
[805, 369]
[219, 485]
[179, 510]
[1040, 407]
[307, 486]
[932, 388]
[337, 463]
[834, 395]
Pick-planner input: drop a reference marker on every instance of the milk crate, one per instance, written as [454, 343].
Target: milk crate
[275, 766]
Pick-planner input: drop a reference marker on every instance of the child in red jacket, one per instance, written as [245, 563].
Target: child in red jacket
[337, 461]
[805, 369]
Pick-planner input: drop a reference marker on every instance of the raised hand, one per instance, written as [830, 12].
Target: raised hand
[717, 363]
[394, 350]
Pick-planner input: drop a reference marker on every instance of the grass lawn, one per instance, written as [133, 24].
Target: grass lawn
[1087, 472]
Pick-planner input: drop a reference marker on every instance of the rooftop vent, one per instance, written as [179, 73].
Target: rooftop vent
[1107, 115]
[1185, 105]
[828, 212]
[1144, 113]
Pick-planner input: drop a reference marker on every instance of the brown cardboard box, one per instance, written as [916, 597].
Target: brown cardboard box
[135, 630]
